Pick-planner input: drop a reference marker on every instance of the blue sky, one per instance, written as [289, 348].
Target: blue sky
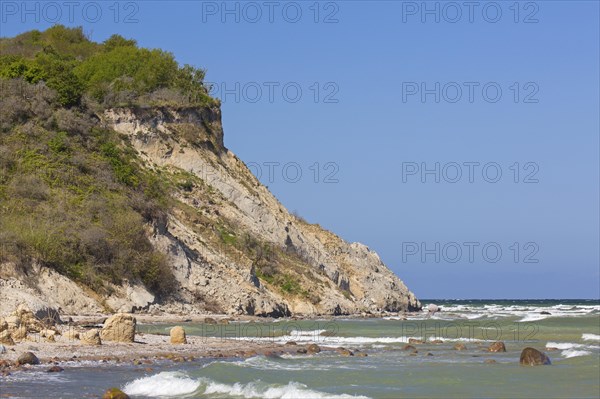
[361, 122]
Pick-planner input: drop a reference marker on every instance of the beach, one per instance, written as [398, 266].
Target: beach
[395, 355]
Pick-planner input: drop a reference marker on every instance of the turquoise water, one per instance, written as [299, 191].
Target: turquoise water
[572, 328]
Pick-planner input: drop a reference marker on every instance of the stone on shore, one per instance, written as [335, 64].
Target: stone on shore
[209, 320]
[415, 341]
[312, 349]
[91, 337]
[177, 334]
[28, 358]
[497, 347]
[533, 357]
[119, 328]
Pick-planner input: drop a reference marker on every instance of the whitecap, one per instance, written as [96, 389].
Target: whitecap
[590, 337]
[258, 389]
[574, 353]
[162, 384]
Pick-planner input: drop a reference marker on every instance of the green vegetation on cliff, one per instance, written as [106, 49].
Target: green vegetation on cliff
[73, 195]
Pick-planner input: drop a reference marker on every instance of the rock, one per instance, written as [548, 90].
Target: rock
[115, 393]
[432, 308]
[119, 328]
[71, 335]
[302, 351]
[545, 312]
[497, 347]
[5, 338]
[313, 348]
[209, 320]
[91, 337]
[408, 348]
[460, 346]
[224, 321]
[291, 343]
[429, 354]
[2, 349]
[437, 341]
[28, 358]
[3, 324]
[361, 354]
[177, 335]
[490, 361]
[415, 341]
[344, 351]
[55, 369]
[533, 357]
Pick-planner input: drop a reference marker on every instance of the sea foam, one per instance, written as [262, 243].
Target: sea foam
[590, 337]
[162, 384]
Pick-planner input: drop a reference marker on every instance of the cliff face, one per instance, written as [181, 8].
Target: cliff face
[231, 246]
[263, 260]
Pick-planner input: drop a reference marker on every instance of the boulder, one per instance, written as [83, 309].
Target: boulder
[344, 352]
[409, 348]
[177, 334]
[497, 347]
[91, 337]
[313, 348]
[460, 346]
[209, 320]
[12, 322]
[28, 358]
[415, 341]
[302, 351]
[533, 357]
[115, 393]
[490, 361]
[120, 328]
[55, 369]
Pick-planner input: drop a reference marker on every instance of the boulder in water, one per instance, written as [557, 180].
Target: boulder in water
[115, 393]
[460, 346]
[533, 357]
[497, 347]
[313, 348]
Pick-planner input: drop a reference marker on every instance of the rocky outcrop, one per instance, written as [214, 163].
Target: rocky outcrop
[119, 328]
[533, 357]
[177, 335]
[231, 245]
[341, 277]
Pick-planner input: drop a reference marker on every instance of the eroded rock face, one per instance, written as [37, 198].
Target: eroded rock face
[342, 278]
[533, 357]
[120, 328]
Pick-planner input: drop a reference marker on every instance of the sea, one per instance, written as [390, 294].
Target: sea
[568, 331]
